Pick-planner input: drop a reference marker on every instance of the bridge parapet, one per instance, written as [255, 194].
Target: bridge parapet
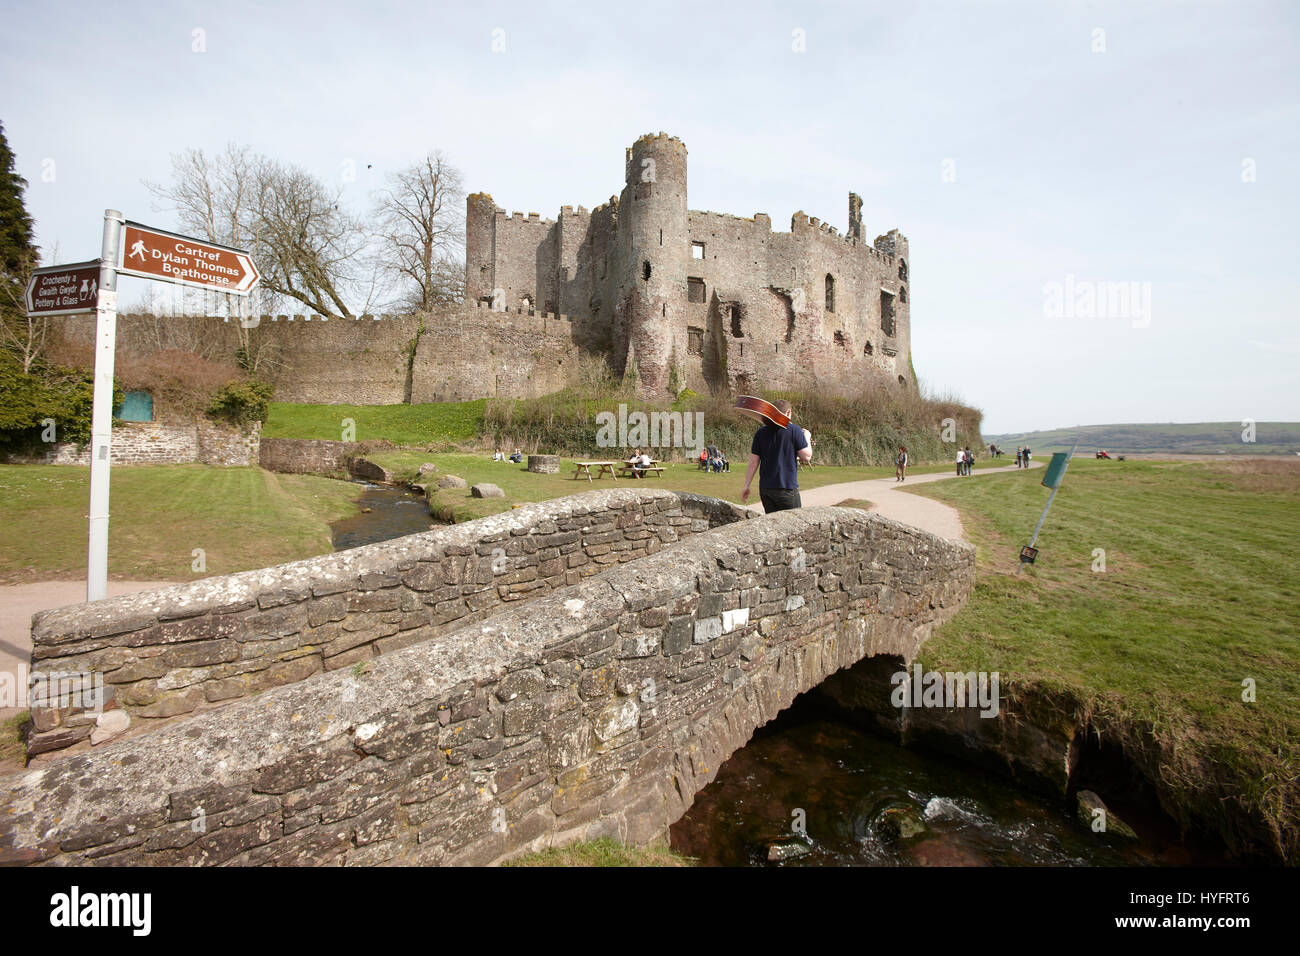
[159, 654]
[599, 709]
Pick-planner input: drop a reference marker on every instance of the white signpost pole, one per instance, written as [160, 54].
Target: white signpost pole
[101, 440]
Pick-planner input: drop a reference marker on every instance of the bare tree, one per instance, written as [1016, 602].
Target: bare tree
[420, 216]
[305, 244]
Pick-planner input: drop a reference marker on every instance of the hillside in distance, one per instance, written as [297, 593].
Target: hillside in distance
[1196, 438]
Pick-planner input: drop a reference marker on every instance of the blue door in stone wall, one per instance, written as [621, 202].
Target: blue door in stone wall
[135, 407]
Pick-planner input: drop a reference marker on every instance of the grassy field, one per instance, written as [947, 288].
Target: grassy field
[520, 485]
[604, 852]
[247, 518]
[1187, 438]
[1198, 595]
[242, 518]
[443, 424]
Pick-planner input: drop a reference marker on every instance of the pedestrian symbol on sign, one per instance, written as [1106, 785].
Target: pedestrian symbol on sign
[137, 250]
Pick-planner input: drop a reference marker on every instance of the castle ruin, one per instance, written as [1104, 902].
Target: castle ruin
[684, 298]
[676, 298]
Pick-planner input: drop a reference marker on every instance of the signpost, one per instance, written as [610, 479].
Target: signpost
[1052, 478]
[157, 254]
[92, 286]
[64, 290]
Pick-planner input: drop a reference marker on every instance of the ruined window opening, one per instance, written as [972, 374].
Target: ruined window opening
[840, 341]
[697, 250]
[694, 341]
[868, 349]
[736, 330]
[887, 312]
[902, 270]
[645, 270]
[902, 381]
[694, 290]
[830, 292]
[661, 237]
[902, 294]
[526, 305]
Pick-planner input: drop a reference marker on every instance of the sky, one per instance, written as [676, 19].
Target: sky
[1100, 199]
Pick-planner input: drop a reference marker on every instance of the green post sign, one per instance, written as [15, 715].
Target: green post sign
[1052, 479]
[1056, 469]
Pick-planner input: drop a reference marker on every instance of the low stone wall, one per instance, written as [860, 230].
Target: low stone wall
[304, 456]
[161, 653]
[601, 709]
[153, 443]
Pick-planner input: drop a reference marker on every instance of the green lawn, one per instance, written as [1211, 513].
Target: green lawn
[521, 485]
[242, 518]
[441, 423]
[1199, 593]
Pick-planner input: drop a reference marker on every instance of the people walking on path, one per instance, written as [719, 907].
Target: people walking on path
[774, 454]
[900, 464]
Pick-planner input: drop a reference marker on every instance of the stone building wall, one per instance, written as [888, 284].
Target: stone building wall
[155, 443]
[305, 456]
[473, 352]
[190, 646]
[598, 710]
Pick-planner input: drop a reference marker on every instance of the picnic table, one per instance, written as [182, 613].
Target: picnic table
[602, 468]
[625, 468]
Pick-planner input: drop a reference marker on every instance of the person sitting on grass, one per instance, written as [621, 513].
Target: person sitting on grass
[498, 455]
[517, 456]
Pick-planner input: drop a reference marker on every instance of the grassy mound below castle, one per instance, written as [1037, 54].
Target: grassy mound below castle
[848, 429]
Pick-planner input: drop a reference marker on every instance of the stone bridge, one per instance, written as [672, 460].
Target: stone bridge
[572, 669]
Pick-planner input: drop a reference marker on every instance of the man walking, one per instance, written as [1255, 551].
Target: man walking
[775, 454]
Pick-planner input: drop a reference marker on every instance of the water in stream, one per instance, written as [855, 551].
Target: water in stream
[393, 513]
[849, 784]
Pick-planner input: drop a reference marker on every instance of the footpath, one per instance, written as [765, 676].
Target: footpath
[889, 499]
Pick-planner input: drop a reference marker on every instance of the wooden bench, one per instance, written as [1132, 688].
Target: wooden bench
[602, 468]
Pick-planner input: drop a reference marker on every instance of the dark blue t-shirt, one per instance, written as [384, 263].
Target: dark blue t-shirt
[776, 449]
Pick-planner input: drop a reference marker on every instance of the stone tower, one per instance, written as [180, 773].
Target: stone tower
[480, 254]
[654, 250]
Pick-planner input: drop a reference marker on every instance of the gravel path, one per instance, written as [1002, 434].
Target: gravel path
[890, 501]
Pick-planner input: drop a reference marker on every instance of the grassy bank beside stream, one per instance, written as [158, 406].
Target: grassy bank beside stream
[1164, 592]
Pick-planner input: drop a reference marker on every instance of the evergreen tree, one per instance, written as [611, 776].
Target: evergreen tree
[17, 230]
[22, 336]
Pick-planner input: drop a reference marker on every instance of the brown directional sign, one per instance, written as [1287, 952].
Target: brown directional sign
[158, 254]
[63, 290]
